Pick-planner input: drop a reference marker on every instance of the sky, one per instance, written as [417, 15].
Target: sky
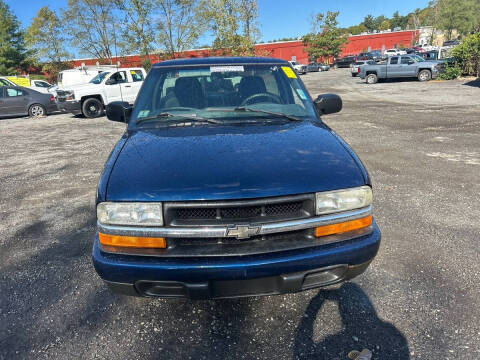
[277, 18]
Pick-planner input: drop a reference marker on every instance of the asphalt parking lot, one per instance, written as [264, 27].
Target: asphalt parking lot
[420, 298]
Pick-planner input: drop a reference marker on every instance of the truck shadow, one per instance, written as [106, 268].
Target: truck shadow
[361, 328]
[473, 83]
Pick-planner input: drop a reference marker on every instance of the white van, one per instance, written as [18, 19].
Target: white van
[81, 75]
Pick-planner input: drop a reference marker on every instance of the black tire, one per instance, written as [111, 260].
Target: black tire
[37, 110]
[371, 79]
[354, 75]
[92, 108]
[424, 75]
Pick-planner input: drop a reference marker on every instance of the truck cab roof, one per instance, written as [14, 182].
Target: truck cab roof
[220, 61]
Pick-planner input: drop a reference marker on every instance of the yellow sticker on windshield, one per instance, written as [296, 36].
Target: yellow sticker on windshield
[289, 72]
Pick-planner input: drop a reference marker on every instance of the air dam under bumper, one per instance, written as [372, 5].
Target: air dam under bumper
[73, 107]
[266, 274]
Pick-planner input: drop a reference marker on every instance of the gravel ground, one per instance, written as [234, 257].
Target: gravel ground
[418, 300]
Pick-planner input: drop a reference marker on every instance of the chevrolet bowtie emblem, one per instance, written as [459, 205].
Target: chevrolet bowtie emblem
[243, 231]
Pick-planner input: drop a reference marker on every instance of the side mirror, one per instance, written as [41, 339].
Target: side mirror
[110, 81]
[119, 111]
[328, 104]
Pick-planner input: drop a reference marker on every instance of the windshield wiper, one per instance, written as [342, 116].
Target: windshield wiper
[249, 109]
[183, 116]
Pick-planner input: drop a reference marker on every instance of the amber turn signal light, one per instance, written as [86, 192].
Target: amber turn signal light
[132, 241]
[343, 227]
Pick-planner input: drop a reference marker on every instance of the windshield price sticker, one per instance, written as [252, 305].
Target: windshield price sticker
[227, 69]
[143, 113]
[301, 93]
[289, 72]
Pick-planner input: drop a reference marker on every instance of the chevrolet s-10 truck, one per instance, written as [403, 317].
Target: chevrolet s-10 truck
[227, 183]
[404, 66]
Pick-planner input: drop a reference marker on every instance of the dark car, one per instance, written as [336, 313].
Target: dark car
[227, 183]
[344, 62]
[19, 101]
[313, 67]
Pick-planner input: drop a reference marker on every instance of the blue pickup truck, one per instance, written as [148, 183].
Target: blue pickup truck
[226, 183]
[401, 66]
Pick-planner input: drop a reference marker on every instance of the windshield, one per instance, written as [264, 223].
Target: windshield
[99, 78]
[222, 93]
[417, 58]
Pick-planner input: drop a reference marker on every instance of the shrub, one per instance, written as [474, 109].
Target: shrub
[450, 73]
[468, 55]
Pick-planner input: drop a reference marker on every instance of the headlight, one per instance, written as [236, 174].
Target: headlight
[144, 214]
[342, 200]
[69, 95]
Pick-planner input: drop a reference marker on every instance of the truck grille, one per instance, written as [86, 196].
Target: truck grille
[236, 212]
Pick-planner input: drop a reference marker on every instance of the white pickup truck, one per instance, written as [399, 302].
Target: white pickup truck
[90, 99]
[299, 68]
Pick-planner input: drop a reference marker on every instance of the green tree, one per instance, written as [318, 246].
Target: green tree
[92, 27]
[378, 21]
[13, 54]
[398, 21]
[45, 36]
[326, 40]
[468, 54]
[137, 30]
[369, 22]
[356, 29]
[233, 23]
[179, 25]
[385, 25]
[457, 15]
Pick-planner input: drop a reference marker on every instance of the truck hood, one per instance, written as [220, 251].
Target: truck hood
[230, 162]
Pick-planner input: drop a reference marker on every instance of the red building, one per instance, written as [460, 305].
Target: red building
[288, 50]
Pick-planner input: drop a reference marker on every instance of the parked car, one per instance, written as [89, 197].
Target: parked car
[299, 68]
[41, 86]
[395, 52]
[4, 81]
[344, 62]
[313, 67]
[20, 101]
[448, 43]
[355, 68]
[35, 84]
[401, 67]
[108, 86]
[229, 191]
[375, 55]
[363, 56]
[324, 67]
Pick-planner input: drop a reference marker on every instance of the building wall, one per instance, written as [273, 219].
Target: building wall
[383, 41]
[288, 49]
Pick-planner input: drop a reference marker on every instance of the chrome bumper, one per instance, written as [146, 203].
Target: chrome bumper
[225, 231]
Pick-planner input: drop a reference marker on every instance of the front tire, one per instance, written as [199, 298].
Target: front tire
[92, 108]
[424, 75]
[37, 110]
[371, 79]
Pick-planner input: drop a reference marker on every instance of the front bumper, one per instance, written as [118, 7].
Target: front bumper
[74, 107]
[237, 276]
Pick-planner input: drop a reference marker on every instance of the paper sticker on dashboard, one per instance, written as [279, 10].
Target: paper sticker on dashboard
[226, 69]
[289, 72]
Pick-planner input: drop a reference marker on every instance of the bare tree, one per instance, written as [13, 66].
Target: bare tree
[92, 27]
[179, 25]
